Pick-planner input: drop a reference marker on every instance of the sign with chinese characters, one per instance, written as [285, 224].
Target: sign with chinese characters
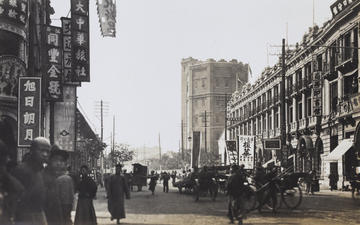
[64, 119]
[80, 40]
[272, 144]
[107, 17]
[29, 110]
[11, 68]
[340, 5]
[53, 69]
[15, 12]
[66, 34]
[317, 93]
[232, 152]
[247, 151]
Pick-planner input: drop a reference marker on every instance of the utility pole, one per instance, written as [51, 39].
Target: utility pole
[182, 139]
[159, 152]
[113, 140]
[225, 116]
[101, 108]
[282, 104]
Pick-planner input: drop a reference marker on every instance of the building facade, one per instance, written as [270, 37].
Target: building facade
[321, 100]
[205, 87]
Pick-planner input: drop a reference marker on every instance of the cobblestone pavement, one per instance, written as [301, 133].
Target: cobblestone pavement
[173, 208]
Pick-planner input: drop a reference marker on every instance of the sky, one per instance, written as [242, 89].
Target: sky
[137, 74]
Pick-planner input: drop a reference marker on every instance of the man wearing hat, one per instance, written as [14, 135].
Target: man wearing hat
[118, 189]
[54, 189]
[30, 208]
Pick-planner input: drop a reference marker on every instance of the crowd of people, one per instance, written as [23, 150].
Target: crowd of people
[41, 191]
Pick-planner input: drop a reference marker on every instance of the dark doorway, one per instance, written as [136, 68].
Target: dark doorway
[7, 135]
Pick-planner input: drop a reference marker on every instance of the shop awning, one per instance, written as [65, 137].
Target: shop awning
[340, 150]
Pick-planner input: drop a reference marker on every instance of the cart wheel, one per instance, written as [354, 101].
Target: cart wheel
[292, 197]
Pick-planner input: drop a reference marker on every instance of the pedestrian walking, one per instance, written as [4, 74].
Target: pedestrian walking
[118, 190]
[65, 186]
[85, 212]
[53, 207]
[153, 180]
[10, 189]
[165, 177]
[30, 210]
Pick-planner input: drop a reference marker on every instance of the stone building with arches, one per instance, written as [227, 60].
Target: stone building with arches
[322, 100]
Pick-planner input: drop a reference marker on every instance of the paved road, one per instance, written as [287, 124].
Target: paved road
[174, 209]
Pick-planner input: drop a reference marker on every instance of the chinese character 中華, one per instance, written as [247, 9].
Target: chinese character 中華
[53, 39]
[80, 22]
[80, 7]
[54, 72]
[53, 54]
[28, 134]
[80, 38]
[29, 101]
[29, 118]
[54, 88]
[30, 86]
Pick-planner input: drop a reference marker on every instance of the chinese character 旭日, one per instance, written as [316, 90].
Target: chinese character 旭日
[29, 118]
[54, 88]
[29, 101]
[54, 55]
[28, 135]
[30, 86]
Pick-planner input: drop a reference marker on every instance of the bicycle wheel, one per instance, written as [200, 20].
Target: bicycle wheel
[292, 197]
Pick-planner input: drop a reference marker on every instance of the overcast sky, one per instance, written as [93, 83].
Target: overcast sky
[138, 72]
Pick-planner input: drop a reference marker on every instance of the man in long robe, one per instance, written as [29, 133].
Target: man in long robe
[118, 189]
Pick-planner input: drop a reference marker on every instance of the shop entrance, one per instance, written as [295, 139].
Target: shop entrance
[8, 134]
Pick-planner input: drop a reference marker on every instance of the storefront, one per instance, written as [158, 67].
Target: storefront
[304, 154]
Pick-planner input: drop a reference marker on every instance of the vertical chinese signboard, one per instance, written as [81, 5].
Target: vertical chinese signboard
[64, 119]
[66, 34]
[80, 40]
[29, 110]
[317, 93]
[107, 17]
[53, 68]
[247, 151]
[232, 152]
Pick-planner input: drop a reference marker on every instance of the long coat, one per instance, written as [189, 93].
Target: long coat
[85, 212]
[118, 188]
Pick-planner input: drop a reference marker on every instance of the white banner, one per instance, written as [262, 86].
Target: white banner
[247, 151]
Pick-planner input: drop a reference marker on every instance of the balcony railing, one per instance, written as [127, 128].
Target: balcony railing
[271, 133]
[312, 120]
[293, 127]
[302, 123]
[277, 132]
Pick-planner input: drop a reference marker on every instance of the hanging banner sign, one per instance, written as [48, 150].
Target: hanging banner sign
[66, 34]
[232, 152]
[14, 16]
[247, 151]
[29, 110]
[317, 94]
[64, 119]
[340, 5]
[80, 40]
[53, 69]
[107, 17]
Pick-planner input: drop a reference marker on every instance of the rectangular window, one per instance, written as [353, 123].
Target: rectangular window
[319, 62]
[333, 96]
[291, 119]
[276, 119]
[270, 123]
[264, 123]
[299, 110]
[309, 107]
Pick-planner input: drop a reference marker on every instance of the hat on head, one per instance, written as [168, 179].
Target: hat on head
[56, 151]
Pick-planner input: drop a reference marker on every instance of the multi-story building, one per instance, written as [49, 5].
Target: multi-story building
[321, 100]
[205, 85]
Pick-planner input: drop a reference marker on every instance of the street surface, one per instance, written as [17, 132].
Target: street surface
[173, 208]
